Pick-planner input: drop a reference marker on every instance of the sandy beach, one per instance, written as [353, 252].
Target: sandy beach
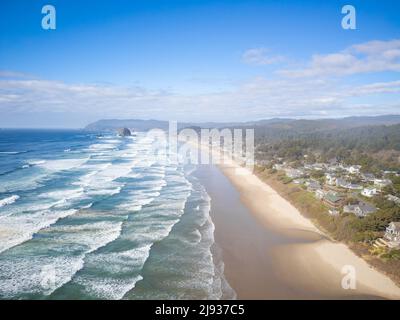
[271, 251]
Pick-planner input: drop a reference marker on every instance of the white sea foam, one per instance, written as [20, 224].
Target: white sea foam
[62, 164]
[102, 146]
[91, 236]
[109, 288]
[152, 223]
[101, 192]
[64, 196]
[63, 193]
[35, 274]
[16, 229]
[119, 266]
[87, 206]
[36, 162]
[24, 273]
[9, 200]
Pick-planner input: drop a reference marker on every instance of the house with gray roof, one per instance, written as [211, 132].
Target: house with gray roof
[361, 209]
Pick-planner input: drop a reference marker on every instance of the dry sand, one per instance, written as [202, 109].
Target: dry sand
[309, 265]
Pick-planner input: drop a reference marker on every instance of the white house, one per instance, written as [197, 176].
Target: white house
[278, 166]
[393, 198]
[381, 183]
[333, 212]
[354, 169]
[330, 179]
[294, 173]
[392, 234]
[318, 166]
[369, 192]
[319, 194]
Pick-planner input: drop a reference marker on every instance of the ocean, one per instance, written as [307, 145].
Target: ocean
[87, 215]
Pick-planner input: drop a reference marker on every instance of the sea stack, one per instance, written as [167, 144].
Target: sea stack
[124, 132]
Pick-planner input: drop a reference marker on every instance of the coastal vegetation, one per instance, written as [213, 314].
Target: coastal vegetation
[360, 163]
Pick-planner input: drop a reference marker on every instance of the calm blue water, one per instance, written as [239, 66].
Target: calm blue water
[95, 216]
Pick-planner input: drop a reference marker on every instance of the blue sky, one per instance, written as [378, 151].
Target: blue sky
[196, 61]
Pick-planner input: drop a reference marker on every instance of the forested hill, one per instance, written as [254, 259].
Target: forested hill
[368, 138]
[269, 126]
[374, 147]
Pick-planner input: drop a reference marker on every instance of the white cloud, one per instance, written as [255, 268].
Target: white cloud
[373, 56]
[259, 56]
[318, 94]
[13, 74]
[258, 98]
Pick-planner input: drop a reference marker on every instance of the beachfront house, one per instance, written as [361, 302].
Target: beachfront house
[369, 192]
[361, 209]
[299, 181]
[368, 177]
[330, 179]
[340, 182]
[393, 198]
[381, 183]
[388, 172]
[319, 194]
[354, 169]
[392, 234]
[278, 166]
[354, 186]
[312, 185]
[333, 212]
[333, 199]
[294, 173]
[318, 166]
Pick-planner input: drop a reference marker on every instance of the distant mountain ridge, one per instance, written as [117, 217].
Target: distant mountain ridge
[298, 125]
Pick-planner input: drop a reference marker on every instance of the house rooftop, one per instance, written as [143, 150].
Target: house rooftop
[396, 225]
[332, 197]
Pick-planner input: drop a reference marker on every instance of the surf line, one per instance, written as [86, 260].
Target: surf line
[165, 310]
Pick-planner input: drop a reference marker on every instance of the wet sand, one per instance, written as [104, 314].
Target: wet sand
[271, 251]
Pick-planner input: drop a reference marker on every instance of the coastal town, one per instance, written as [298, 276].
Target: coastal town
[345, 190]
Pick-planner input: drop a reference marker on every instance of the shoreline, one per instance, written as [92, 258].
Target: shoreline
[277, 253]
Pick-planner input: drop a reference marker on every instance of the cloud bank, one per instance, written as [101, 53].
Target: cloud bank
[320, 93]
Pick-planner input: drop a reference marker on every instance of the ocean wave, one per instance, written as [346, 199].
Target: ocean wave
[28, 275]
[17, 229]
[119, 272]
[36, 162]
[70, 245]
[9, 200]
[63, 197]
[10, 152]
[61, 164]
[99, 254]
[103, 192]
[109, 288]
